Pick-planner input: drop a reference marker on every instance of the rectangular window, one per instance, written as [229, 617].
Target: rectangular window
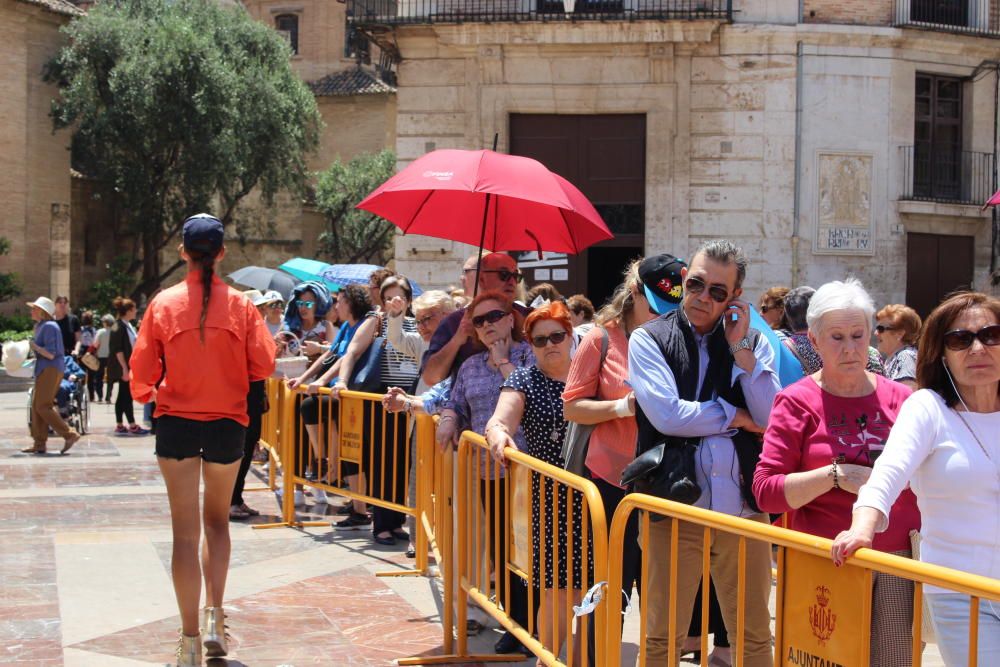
[937, 137]
[288, 25]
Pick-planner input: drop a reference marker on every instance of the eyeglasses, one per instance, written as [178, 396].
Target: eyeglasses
[695, 286]
[555, 338]
[764, 309]
[275, 305]
[425, 321]
[504, 275]
[304, 304]
[882, 328]
[492, 317]
[961, 339]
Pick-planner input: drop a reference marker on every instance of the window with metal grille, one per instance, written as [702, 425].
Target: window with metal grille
[288, 26]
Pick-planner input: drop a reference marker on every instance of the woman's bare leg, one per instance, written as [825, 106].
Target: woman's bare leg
[219, 481]
[181, 478]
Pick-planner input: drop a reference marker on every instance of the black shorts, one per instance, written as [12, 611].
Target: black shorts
[218, 441]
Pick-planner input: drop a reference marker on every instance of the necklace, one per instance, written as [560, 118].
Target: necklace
[978, 441]
[554, 406]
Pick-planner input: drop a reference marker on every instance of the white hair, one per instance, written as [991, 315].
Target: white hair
[434, 298]
[847, 294]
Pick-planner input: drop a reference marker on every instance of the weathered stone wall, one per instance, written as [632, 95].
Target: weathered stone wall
[354, 125]
[857, 12]
[720, 103]
[34, 162]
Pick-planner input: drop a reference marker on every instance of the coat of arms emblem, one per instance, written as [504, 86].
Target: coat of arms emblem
[822, 620]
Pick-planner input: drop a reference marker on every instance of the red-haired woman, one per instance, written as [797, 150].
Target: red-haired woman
[200, 346]
[532, 398]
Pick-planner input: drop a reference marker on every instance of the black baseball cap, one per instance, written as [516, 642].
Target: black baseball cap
[203, 232]
[661, 281]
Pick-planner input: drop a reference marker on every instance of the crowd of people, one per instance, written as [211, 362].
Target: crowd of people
[875, 446]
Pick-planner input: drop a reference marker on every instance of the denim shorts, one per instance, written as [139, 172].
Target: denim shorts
[217, 441]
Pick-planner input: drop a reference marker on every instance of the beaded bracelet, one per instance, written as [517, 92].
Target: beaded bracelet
[835, 473]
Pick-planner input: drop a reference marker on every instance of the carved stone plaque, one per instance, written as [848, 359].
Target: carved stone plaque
[844, 219]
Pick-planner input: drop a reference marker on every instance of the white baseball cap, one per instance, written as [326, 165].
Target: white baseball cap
[270, 296]
[45, 303]
[254, 295]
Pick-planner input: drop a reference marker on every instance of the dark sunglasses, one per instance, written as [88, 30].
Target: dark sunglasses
[764, 309]
[492, 317]
[304, 304]
[961, 339]
[555, 338]
[882, 328]
[696, 286]
[504, 275]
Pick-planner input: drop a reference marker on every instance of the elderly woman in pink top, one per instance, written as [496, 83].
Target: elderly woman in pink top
[597, 393]
[824, 435]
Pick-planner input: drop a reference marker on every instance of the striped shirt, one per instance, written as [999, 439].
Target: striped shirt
[398, 369]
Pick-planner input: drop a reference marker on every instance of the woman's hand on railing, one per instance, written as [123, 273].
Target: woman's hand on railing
[394, 400]
[847, 542]
[295, 382]
[447, 431]
[337, 388]
[314, 387]
[498, 438]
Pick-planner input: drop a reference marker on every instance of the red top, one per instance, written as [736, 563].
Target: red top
[206, 380]
[807, 428]
[612, 443]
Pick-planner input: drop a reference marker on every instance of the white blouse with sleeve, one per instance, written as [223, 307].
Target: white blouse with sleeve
[957, 485]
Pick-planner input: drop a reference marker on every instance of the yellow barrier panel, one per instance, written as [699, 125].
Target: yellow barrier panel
[271, 428]
[822, 612]
[538, 524]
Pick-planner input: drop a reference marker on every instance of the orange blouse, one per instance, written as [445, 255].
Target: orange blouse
[195, 379]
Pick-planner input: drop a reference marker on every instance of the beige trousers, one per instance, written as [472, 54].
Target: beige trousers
[43, 408]
[725, 571]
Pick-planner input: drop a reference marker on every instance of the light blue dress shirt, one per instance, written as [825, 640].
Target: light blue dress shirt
[717, 470]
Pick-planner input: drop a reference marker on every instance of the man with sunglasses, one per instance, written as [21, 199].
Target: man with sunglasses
[704, 381]
[454, 340]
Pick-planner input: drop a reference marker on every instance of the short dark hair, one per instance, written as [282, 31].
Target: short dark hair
[396, 281]
[547, 291]
[121, 305]
[87, 319]
[581, 305]
[357, 300]
[931, 373]
[796, 306]
[725, 252]
[62, 299]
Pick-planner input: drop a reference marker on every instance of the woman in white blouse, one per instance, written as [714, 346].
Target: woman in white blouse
[945, 445]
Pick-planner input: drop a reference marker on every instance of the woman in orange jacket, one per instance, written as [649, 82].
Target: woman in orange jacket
[200, 345]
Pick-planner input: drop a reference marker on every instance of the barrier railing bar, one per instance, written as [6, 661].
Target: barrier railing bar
[918, 618]
[973, 631]
[779, 607]
[741, 598]
[706, 568]
[616, 609]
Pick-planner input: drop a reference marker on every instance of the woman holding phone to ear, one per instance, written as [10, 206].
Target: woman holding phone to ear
[944, 445]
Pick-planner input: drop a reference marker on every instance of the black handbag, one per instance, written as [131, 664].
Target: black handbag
[665, 472]
[367, 373]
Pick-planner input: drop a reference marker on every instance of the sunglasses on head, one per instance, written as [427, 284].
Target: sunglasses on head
[492, 317]
[555, 338]
[304, 304]
[882, 328]
[504, 275]
[961, 339]
[696, 286]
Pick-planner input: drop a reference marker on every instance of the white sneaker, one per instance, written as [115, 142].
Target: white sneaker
[319, 495]
[298, 498]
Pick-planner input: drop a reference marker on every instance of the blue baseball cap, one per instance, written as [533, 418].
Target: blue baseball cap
[661, 281]
[203, 232]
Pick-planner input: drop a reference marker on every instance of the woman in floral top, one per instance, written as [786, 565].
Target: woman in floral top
[897, 333]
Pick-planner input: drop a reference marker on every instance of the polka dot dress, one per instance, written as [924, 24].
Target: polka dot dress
[544, 430]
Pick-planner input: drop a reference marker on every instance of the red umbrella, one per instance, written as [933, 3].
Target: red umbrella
[488, 199]
[992, 201]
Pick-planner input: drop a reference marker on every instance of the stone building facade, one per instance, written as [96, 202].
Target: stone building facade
[34, 162]
[851, 140]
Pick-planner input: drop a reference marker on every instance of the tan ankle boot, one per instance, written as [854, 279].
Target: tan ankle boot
[189, 651]
[214, 628]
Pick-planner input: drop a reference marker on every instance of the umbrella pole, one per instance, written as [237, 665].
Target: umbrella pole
[482, 236]
[482, 241]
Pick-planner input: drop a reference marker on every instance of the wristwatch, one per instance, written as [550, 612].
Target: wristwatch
[741, 344]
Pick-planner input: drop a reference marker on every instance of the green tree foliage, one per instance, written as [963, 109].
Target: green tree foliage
[354, 236]
[181, 106]
[9, 287]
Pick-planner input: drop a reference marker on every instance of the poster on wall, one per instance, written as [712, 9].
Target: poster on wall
[844, 219]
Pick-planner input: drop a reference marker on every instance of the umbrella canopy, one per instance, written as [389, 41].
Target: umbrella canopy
[306, 269]
[496, 201]
[264, 279]
[355, 274]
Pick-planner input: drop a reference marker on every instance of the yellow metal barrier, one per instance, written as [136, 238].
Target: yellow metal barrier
[816, 602]
[271, 428]
[538, 524]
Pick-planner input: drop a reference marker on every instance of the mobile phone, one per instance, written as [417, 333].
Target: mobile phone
[734, 313]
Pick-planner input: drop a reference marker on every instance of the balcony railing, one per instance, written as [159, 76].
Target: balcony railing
[947, 176]
[395, 12]
[965, 16]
